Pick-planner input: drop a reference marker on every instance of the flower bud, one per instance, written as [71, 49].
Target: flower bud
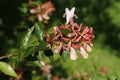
[73, 55]
[83, 53]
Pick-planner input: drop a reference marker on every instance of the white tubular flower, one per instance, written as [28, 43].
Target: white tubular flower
[69, 14]
[73, 55]
[83, 53]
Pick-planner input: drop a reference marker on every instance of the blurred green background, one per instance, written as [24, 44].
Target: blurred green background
[102, 15]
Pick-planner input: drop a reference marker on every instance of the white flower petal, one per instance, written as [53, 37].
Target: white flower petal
[69, 14]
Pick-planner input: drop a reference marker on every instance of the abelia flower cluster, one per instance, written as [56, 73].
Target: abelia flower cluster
[78, 38]
[71, 37]
[42, 11]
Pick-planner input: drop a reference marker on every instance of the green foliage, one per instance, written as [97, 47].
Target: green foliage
[114, 12]
[31, 41]
[7, 69]
[25, 38]
[93, 66]
[39, 31]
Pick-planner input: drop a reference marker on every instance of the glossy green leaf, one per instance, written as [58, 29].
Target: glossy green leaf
[25, 37]
[33, 41]
[7, 69]
[39, 31]
[26, 52]
[42, 46]
[29, 51]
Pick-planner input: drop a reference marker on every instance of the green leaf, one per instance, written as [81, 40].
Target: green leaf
[21, 54]
[7, 69]
[34, 63]
[65, 32]
[64, 55]
[26, 52]
[52, 36]
[29, 51]
[25, 37]
[33, 41]
[42, 46]
[39, 31]
[40, 55]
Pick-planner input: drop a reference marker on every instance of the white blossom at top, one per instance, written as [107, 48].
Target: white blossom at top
[69, 14]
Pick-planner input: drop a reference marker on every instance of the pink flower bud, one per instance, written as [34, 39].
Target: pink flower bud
[58, 49]
[33, 11]
[56, 30]
[83, 53]
[80, 26]
[87, 37]
[78, 39]
[46, 17]
[48, 38]
[73, 55]
[69, 45]
[76, 25]
[39, 17]
[86, 29]
[71, 34]
[89, 49]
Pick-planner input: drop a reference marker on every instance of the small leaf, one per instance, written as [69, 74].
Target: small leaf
[64, 55]
[7, 69]
[65, 32]
[52, 36]
[39, 31]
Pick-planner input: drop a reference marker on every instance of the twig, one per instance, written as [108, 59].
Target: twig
[7, 56]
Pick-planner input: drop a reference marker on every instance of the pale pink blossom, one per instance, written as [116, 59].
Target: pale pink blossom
[87, 47]
[73, 55]
[83, 53]
[42, 11]
[56, 30]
